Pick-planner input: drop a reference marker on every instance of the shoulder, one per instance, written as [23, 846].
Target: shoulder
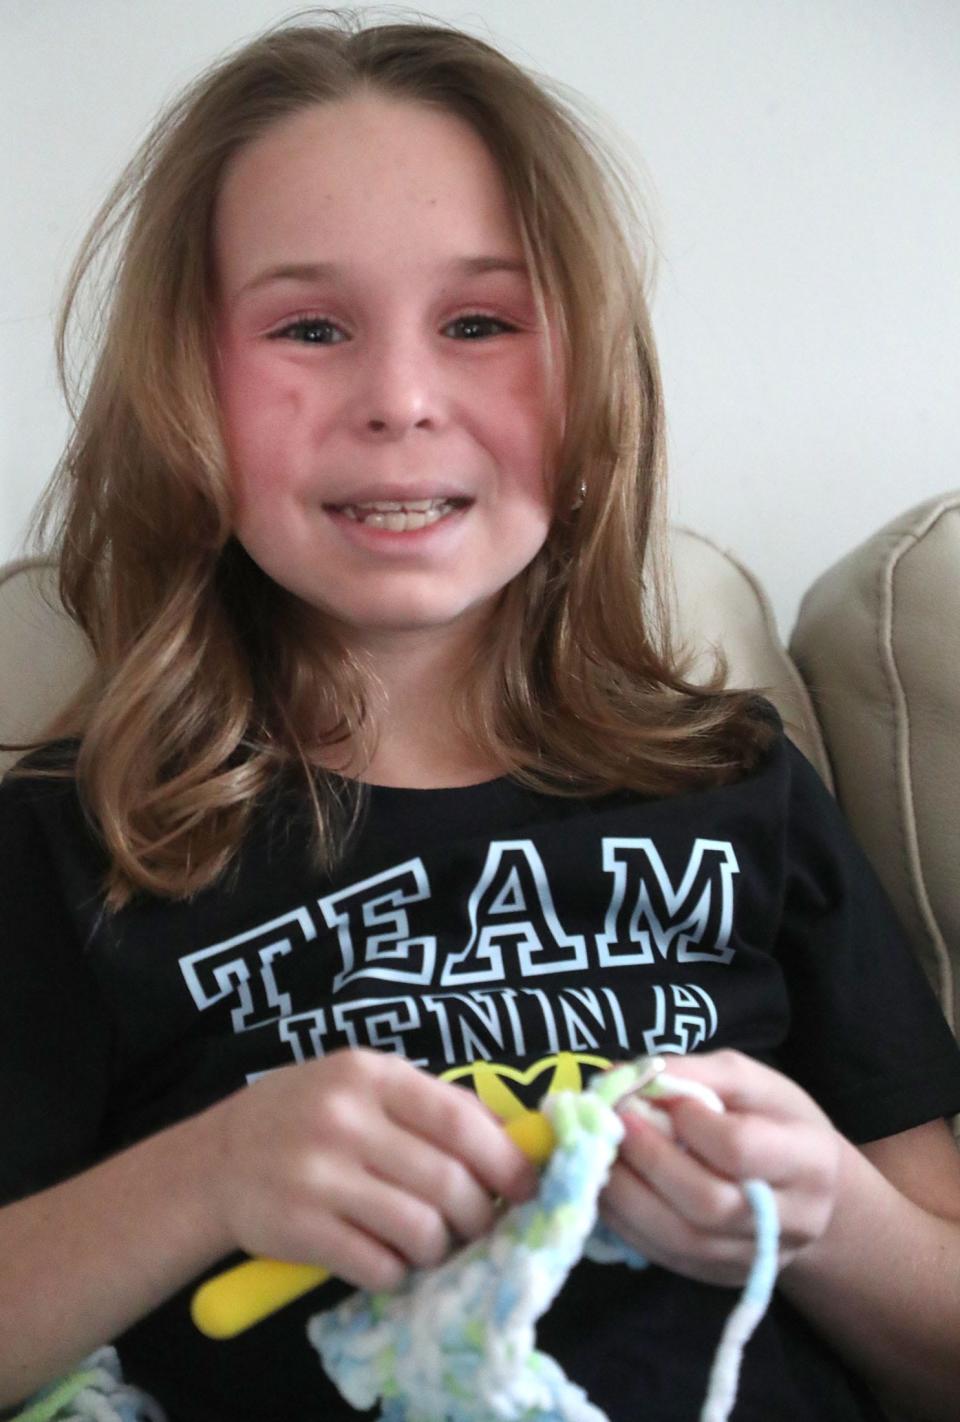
[783, 799]
[40, 799]
[782, 760]
[779, 777]
[821, 852]
[48, 772]
[57, 757]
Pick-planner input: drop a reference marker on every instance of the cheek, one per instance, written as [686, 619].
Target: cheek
[537, 406]
[258, 403]
[533, 436]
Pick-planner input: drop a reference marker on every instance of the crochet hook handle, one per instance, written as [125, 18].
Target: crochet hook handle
[238, 1298]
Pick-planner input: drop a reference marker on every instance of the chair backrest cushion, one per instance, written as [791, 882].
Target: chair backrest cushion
[878, 642]
[720, 605]
[43, 654]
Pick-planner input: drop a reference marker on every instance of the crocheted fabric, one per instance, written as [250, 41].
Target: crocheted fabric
[96, 1392]
[457, 1343]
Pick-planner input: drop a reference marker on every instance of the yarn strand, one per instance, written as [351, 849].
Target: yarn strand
[752, 1305]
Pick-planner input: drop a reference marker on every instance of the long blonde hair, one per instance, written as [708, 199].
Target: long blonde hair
[207, 680]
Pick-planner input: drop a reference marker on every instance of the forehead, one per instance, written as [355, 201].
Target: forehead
[365, 178]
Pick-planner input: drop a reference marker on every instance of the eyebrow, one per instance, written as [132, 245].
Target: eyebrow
[324, 271]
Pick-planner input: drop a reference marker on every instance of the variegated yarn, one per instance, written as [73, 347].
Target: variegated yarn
[457, 1343]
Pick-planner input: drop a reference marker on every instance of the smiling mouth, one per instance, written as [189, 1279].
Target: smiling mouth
[399, 516]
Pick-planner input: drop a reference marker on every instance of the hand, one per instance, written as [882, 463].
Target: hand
[362, 1163]
[679, 1201]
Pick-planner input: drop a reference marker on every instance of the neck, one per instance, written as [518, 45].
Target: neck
[419, 745]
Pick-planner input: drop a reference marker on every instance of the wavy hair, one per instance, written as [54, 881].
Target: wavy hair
[209, 683]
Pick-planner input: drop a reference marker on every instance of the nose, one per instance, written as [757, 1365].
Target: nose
[399, 387]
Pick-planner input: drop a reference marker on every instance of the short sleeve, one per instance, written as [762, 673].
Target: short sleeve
[55, 1034]
[868, 1039]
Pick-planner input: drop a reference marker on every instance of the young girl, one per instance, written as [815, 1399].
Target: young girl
[387, 785]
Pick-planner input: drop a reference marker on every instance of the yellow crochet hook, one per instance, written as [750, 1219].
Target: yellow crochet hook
[240, 1297]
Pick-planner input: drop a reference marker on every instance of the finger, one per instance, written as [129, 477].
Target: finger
[745, 1146]
[703, 1198]
[364, 1261]
[666, 1238]
[411, 1227]
[800, 1161]
[425, 1171]
[349, 1251]
[746, 1085]
[456, 1122]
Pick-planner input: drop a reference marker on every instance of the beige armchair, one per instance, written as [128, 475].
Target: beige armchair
[877, 642]
[870, 691]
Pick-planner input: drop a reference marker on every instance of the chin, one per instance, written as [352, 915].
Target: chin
[399, 620]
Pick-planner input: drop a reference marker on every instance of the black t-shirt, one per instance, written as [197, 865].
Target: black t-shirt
[508, 941]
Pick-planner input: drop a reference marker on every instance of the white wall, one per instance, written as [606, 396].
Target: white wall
[805, 159]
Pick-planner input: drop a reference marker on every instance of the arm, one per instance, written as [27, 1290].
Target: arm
[357, 1160]
[883, 1282]
[87, 1258]
[870, 1241]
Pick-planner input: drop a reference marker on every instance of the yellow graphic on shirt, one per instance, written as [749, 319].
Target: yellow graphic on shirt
[490, 1080]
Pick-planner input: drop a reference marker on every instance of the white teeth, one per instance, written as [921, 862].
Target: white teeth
[401, 522]
[397, 516]
[398, 505]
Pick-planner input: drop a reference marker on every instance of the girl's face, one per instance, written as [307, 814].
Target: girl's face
[379, 345]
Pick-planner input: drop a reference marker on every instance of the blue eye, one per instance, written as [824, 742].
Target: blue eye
[312, 331]
[479, 326]
[319, 331]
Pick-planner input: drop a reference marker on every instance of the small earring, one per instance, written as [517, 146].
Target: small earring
[581, 495]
